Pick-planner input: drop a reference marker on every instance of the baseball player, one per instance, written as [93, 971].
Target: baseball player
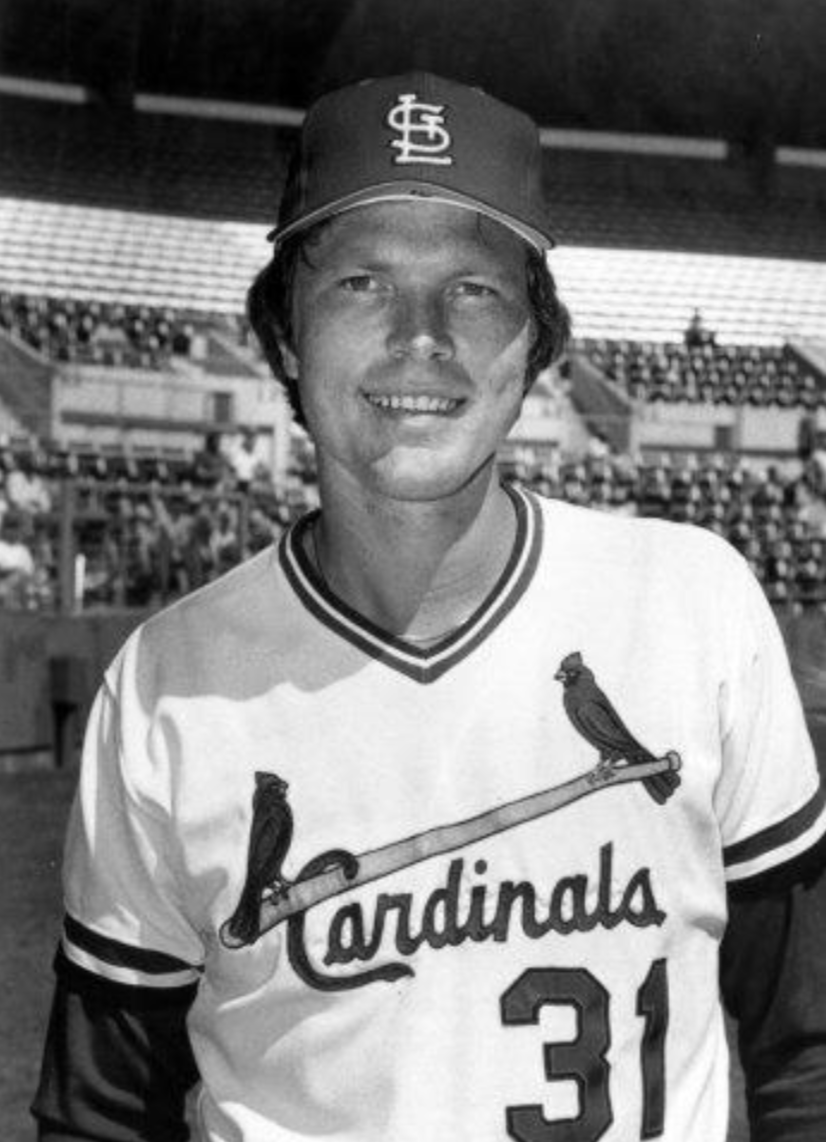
[454, 814]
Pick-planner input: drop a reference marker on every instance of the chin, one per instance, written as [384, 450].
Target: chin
[424, 480]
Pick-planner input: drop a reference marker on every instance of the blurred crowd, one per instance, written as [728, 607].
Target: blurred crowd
[147, 533]
[98, 332]
[145, 530]
[699, 371]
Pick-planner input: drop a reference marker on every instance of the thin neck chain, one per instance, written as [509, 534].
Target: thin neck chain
[417, 640]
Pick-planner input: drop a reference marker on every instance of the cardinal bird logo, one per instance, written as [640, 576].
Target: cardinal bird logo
[270, 836]
[593, 715]
[269, 898]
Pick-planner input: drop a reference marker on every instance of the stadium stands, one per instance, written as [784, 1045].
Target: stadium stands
[127, 234]
[92, 254]
[100, 333]
[204, 266]
[707, 373]
[150, 528]
[147, 208]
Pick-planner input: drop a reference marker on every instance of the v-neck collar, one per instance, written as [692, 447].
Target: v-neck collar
[423, 665]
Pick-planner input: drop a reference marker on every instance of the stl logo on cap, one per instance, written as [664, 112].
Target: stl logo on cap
[421, 126]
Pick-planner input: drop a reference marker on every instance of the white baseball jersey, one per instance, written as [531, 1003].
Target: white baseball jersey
[438, 894]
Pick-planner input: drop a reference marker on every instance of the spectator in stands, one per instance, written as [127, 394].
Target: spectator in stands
[598, 446]
[199, 553]
[210, 467]
[226, 547]
[173, 519]
[245, 459]
[696, 334]
[811, 508]
[182, 338]
[26, 488]
[816, 464]
[16, 562]
[102, 333]
[140, 542]
[95, 538]
[43, 591]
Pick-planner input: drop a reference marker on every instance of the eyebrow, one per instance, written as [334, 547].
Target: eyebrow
[485, 263]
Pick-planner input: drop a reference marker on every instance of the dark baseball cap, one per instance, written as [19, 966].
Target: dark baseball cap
[417, 136]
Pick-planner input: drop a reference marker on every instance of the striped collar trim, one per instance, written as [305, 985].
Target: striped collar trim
[421, 665]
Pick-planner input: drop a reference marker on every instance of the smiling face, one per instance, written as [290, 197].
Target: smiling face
[411, 330]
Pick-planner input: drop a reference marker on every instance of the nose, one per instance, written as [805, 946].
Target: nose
[419, 328]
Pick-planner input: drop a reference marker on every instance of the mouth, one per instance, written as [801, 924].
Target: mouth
[410, 405]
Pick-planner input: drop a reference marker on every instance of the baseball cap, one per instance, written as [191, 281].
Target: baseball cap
[417, 136]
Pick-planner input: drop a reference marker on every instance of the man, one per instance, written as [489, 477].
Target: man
[25, 487]
[427, 823]
[16, 561]
[246, 463]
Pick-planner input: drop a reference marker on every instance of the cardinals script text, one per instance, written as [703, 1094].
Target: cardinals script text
[453, 914]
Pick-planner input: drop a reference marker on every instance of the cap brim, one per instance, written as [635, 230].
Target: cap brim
[541, 240]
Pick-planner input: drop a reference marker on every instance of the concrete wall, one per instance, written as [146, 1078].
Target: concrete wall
[762, 431]
[28, 643]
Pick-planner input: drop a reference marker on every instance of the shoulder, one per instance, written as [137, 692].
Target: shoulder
[220, 605]
[203, 642]
[640, 543]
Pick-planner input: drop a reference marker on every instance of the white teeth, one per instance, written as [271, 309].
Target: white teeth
[413, 403]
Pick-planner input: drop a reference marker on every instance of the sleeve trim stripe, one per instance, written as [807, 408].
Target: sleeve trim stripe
[764, 862]
[776, 836]
[117, 954]
[117, 974]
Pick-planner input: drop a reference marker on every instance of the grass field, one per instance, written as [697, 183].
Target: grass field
[33, 808]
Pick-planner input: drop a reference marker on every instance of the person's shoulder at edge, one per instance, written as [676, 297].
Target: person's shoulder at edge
[686, 544]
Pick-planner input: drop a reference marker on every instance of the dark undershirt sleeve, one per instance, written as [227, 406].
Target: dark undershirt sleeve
[117, 1063]
[773, 981]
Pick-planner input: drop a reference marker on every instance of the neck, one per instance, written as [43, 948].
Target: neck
[417, 570]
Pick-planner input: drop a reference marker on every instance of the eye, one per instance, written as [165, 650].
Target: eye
[360, 283]
[474, 289]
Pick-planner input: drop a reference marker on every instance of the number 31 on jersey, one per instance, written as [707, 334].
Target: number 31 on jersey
[584, 1058]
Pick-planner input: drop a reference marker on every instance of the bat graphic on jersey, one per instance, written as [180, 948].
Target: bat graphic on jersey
[592, 714]
[268, 898]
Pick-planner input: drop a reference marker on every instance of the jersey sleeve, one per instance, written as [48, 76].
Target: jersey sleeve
[122, 888]
[117, 1063]
[769, 801]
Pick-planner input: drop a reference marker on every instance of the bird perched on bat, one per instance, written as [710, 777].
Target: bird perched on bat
[592, 714]
[270, 836]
